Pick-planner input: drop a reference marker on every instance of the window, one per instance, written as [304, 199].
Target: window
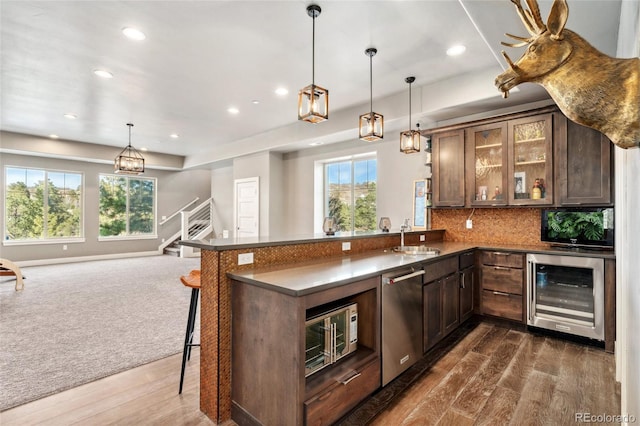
[350, 193]
[127, 206]
[42, 205]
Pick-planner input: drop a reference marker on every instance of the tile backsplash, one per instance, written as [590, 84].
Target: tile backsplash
[494, 226]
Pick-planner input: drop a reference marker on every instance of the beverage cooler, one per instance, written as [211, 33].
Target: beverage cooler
[566, 293]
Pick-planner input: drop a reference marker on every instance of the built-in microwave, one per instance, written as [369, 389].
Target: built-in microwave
[330, 336]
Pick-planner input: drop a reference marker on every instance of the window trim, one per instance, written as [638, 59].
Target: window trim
[48, 240]
[322, 164]
[154, 234]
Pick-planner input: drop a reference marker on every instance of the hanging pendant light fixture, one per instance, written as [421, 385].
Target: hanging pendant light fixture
[129, 161]
[371, 124]
[313, 101]
[410, 139]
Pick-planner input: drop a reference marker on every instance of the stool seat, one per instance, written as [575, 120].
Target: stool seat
[192, 281]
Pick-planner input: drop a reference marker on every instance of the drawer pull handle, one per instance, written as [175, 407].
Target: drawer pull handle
[354, 376]
[499, 293]
[501, 268]
[501, 253]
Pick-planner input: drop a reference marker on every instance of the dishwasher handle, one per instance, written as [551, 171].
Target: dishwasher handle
[391, 281]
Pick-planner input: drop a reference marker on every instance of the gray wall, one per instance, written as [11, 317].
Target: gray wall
[174, 189]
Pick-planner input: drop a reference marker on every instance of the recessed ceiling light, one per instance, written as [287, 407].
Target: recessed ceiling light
[70, 116]
[144, 149]
[456, 50]
[233, 110]
[255, 102]
[103, 73]
[281, 91]
[316, 143]
[174, 135]
[52, 136]
[133, 34]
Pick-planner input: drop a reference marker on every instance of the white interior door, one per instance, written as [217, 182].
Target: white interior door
[247, 207]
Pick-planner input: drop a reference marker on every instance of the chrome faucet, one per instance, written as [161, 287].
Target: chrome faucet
[405, 227]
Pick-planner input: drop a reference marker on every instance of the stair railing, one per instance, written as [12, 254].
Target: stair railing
[196, 224]
[177, 212]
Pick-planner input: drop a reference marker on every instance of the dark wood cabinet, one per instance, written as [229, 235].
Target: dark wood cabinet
[584, 165]
[503, 286]
[448, 169]
[441, 298]
[467, 280]
[268, 350]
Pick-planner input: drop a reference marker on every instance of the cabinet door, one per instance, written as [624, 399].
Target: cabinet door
[432, 314]
[486, 162]
[466, 293]
[584, 166]
[530, 160]
[448, 169]
[450, 303]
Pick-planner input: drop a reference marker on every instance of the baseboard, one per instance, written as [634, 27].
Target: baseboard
[41, 262]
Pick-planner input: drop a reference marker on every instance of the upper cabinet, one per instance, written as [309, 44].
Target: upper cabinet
[536, 158]
[584, 166]
[530, 160]
[486, 160]
[448, 169]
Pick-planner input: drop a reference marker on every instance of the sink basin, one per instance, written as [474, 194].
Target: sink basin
[423, 250]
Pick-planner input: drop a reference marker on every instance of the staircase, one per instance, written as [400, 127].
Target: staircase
[195, 225]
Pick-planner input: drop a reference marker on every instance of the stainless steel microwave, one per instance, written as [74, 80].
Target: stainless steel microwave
[330, 336]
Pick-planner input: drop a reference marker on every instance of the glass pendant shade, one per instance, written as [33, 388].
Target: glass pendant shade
[313, 101]
[329, 226]
[371, 125]
[313, 104]
[410, 139]
[129, 161]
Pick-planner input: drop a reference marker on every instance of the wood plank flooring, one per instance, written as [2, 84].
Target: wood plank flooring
[489, 375]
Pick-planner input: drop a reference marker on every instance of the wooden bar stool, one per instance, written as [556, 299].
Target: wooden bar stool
[192, 280]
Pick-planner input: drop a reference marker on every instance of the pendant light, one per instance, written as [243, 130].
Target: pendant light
[410, 139]
[129, 161]
[371, 124]
[313, 101]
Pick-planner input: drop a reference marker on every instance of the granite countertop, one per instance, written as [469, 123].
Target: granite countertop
[313, 276]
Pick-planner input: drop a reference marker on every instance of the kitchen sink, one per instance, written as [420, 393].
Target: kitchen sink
[422, 250]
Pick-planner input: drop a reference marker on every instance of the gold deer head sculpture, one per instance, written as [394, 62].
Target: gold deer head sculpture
[589, 87]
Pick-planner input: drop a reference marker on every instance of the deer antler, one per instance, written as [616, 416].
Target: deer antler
[537, 19]
[533, 23]
[523, 41]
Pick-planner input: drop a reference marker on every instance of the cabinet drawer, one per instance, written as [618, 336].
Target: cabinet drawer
[440, 268]
[329, 406]
[502, 258]
[467, 259]
[501, 278]
[502, 305]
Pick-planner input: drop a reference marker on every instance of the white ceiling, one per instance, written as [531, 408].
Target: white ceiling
[201, 57]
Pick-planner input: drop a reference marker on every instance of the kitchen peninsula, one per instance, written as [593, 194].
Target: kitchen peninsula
[364, 260]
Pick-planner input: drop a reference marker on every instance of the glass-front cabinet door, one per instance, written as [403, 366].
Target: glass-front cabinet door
[487, 157]
[530, 160]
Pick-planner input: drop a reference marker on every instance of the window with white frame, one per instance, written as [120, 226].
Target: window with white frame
[42, 205]
[127, 206]
[350, 192]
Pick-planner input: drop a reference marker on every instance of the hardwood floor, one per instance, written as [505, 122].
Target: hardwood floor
[490, 375]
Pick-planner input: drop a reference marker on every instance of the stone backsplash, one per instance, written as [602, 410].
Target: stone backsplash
[491, 226]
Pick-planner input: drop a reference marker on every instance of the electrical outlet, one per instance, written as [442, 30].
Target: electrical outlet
[64, 247]
[163, 240]
[164, 218]
[346, 246]
[469, 224]
[245, 258]
[422, 237]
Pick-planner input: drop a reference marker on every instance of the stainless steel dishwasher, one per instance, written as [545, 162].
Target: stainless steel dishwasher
[401, 321]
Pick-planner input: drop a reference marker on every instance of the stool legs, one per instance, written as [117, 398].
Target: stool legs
[188, 338]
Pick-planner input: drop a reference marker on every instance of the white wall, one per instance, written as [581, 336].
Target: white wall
[628, 241]
[222, 194]
[396, 173]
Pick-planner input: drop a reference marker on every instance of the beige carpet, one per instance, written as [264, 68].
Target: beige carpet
[75, 323]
